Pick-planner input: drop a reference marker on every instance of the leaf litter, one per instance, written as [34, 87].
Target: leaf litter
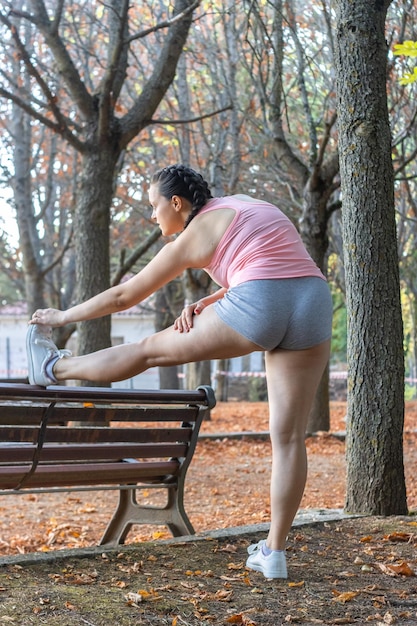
[353, 571]
[202, 581]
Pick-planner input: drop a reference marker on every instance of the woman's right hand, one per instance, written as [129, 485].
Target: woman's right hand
[48, 317]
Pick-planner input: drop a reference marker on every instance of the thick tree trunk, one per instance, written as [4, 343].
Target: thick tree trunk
[92, 243]
[375, 472]
[313, 230]
[28, 236]
[196, 286]
[165, 301]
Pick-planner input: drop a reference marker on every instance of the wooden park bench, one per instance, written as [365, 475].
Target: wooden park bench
[70, 438]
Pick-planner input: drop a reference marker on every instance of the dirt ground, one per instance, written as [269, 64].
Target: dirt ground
[353, 571]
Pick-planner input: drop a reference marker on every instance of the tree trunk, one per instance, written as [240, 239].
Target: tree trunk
[21, 133]
[375, 471]
[313, 230]
[222, 381]
[28, 236]
[196, 286]
[164, 317]
[92, 243]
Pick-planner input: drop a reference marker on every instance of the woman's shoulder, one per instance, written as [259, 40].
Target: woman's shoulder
[236, 201]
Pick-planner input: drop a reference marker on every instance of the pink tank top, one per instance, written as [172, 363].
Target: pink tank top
[260, 243]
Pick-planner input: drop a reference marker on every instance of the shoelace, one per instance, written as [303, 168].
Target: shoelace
[255, 547]
[51, 347]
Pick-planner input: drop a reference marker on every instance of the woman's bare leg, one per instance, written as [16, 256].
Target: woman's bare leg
[210, 338]
[293, 377]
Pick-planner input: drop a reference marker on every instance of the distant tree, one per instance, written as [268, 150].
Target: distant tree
[407, 49]
[299, 136]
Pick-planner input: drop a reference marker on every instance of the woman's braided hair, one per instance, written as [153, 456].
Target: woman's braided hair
[180, 180]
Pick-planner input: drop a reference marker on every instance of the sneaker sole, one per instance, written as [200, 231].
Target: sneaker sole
[259, 569]
[277, 573]
[29, 354]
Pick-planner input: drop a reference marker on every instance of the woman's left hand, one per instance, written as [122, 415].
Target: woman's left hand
[184, 322]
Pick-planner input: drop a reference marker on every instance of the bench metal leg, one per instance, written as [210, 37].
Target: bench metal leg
[129, 512]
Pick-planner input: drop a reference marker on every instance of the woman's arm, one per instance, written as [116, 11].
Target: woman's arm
[193, 248]
[166, 265]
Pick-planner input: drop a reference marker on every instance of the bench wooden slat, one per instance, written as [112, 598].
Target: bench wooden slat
[61, 414]
[86, 452]
[89, 474]
[201, 396]
[64, 434]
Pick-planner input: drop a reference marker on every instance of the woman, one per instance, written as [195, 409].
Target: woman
[272, 298]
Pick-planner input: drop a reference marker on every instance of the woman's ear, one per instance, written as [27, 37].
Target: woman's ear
[177, 203]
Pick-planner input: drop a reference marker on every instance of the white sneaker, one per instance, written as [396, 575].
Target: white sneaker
[40, 351]
[273, 565]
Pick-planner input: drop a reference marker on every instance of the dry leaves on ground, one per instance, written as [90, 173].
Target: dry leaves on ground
[354, 571]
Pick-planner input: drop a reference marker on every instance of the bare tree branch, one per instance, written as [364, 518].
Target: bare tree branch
[116, 67]
[67, 69]
[60, 256]
[192, 119]
[79, 145]
[126, 265]
[166, 23]
[162, 76]
[32, 71]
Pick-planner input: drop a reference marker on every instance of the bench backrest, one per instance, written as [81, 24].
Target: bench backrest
[79, 436]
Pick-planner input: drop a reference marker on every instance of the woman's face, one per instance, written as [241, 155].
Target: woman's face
[168, 214]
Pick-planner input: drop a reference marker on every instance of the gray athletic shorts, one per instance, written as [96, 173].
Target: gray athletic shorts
[289, 313]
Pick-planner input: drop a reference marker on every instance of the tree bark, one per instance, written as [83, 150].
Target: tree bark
[313, 226]
[196, 286]
[168, 303]
[92, 225]
[375, 471]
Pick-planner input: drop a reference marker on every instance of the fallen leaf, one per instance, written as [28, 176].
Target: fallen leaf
[69, 606]
[367, 568]
[159, 535]
[134, 599]
[396, 569]
[228, 548]
[300, 584]
[223, 596]
[398, 536]
[345, 596]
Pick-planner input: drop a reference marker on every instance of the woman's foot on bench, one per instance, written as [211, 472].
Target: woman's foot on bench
[42, 355]
[272, 565]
